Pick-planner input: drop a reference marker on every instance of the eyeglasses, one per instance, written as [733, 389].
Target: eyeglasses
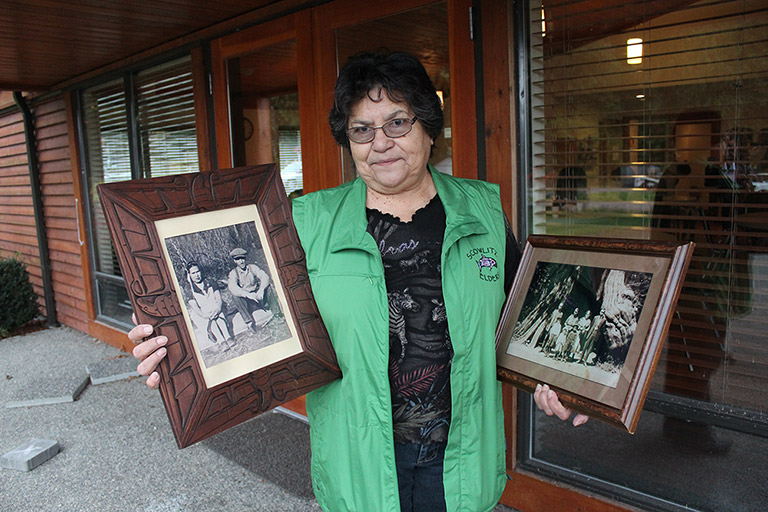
[392, 129]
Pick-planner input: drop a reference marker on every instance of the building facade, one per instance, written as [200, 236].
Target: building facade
[645, 120]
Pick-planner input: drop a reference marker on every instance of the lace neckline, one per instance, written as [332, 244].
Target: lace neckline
[418, 213]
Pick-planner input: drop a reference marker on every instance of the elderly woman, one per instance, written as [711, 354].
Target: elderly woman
[408, 268]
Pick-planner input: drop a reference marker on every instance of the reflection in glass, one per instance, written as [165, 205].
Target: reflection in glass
[264, 111]
[165, 132]
[671, 149]
[660, 462]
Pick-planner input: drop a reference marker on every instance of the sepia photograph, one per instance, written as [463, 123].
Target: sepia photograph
[231, 300]
[212, 260]
[588, 317]
[580, 320]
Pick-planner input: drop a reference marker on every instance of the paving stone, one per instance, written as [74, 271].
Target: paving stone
[111, 370]
[59, 388]
[30, 455]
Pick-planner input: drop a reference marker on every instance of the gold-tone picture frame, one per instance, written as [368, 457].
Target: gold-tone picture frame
[588, 317]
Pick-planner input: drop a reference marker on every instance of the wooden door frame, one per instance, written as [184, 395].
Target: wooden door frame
[236, 45]
[329, 17]
[297, 26]
[111, 335]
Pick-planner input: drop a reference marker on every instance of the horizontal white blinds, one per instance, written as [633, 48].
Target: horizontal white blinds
[674, 147]
[166, 120]
[108, 152]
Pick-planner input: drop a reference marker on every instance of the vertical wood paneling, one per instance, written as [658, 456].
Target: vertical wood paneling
[18, 237]
[463, 108]
[498, 94]
[18, 232]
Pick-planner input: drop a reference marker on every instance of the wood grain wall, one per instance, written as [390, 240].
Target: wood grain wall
[17, 228]
[18, 233]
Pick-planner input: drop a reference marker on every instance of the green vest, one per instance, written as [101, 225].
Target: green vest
[353, 463]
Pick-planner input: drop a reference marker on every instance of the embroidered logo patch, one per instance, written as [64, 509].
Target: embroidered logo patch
[486, 260]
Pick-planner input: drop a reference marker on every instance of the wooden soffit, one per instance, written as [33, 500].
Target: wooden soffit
[46, 43]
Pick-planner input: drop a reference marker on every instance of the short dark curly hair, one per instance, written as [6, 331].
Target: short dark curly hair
[403, 78]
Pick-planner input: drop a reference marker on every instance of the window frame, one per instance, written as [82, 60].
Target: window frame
[525, 463]
[196, 60]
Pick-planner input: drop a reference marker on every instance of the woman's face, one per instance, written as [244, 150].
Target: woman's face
[195, 274]
[389, 166]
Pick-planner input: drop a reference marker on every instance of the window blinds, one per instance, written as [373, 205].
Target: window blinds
[154, 107]
[670, 146]
[166, 119]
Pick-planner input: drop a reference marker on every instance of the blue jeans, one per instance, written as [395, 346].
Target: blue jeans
[420, 476]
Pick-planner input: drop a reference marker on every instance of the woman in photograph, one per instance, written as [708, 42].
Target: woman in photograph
[415, 422]
[206, 307]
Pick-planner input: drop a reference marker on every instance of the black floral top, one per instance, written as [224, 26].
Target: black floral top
[420, 346]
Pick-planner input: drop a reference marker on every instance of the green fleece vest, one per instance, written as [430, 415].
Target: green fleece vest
[353, 463]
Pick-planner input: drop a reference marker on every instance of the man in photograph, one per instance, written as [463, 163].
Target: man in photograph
[248, 285]
[554, 329]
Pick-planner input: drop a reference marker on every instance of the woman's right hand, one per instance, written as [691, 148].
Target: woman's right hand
[149, 351]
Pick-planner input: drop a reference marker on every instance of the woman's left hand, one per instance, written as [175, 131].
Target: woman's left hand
[546, 399]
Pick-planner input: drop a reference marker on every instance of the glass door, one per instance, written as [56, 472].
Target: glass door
[439, 34]
[256, 96]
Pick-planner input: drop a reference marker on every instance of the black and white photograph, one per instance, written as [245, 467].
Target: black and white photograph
[228, 292]
[211, 259]
[580, 319]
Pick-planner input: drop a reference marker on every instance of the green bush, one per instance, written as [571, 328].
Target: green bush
[18, 300]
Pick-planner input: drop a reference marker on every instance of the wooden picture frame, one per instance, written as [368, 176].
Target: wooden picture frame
[183, 240]
[588, 317]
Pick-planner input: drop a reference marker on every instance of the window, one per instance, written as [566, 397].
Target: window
[289, 151]
[668, 143]
[142, 125]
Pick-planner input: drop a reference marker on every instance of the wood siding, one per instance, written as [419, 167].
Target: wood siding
[18, 233]
[18, 237]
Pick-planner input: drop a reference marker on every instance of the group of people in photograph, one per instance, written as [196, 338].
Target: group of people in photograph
[572, 340]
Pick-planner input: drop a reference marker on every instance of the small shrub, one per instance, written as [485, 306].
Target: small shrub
[18, 300]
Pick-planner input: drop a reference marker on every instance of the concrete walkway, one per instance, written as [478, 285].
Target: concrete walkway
[117, 448]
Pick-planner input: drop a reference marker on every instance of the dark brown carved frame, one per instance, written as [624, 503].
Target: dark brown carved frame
[195, 413]
[663, 305]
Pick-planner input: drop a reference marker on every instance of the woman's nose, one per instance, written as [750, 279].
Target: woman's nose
[380, 141]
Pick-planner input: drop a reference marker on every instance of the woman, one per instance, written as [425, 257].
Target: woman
[206, 307]
[408, 268]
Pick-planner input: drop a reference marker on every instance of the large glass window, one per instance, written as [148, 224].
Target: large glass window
[264, 111]
[142, 125]
[649, 120]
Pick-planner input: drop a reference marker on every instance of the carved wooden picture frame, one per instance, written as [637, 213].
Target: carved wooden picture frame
[213, 261]
[588, 317]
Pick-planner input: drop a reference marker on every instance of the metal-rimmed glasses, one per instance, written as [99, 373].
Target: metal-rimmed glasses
[393, 129]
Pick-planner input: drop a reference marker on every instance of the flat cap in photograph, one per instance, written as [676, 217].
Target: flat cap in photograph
[237, 252]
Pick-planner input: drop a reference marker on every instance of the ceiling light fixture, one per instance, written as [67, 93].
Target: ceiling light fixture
[634, 50]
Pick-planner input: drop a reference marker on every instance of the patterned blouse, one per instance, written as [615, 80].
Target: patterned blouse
[419, 343]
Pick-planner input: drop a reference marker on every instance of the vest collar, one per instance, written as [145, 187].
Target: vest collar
[352, 230]
[460, 221]
[352, 225]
